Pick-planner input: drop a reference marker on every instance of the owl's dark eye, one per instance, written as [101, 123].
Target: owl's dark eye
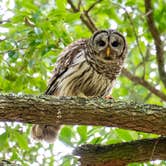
[101, 43]
[115, 44]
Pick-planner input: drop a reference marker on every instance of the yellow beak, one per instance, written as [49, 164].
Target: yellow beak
[108, 51]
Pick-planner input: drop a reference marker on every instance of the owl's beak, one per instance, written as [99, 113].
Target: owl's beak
[108, 52]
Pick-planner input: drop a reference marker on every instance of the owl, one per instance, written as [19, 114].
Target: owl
[85, 68]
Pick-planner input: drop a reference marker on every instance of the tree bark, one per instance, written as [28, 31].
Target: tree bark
[73, 110]
[94, 111]
[123, 153]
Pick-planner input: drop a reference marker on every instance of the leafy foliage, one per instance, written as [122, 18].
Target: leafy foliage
[32, 34]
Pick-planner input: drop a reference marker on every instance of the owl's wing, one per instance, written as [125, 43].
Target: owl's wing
[63, 63]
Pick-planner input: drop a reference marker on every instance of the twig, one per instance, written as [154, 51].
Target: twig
[135, 33]
[89, 22]
[154, 148]
[144, 83]
[157, 39]
[89, 19]
[133, 26]
[16, 49]
[93, 5]
[29, 22]
[3, 21]
[73, 6]
[86, 19]
[1, 40]
[79, 4]
[147, 97]
[146, 59]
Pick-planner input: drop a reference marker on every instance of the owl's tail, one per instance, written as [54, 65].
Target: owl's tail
[45, 132]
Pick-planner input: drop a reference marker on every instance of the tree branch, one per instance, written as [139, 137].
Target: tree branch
[144, 83]
[75, 10]
[85, 18]
[122, 153]
[80, 111]
[133, 27]
[157, 39]
[4, 21]
[93, 5]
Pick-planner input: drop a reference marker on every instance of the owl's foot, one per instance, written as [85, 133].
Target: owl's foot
[109, 97]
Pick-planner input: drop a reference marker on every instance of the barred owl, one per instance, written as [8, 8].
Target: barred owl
[86, 68]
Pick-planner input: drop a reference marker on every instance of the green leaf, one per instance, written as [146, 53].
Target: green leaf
[3, 140]
[21, 140]
[15, 155]
[61, 4]
[123, 134]
[96, 140]
[82, 131]
[66, 135]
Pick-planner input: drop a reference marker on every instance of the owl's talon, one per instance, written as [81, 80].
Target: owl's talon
[109, 97]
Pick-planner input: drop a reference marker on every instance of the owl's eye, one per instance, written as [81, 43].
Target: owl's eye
[115, 44]
[101, 43]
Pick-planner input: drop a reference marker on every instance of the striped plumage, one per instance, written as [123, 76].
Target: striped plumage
[84, 69]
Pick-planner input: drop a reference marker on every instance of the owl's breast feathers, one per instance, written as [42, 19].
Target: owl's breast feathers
[74, 75]
[108, 69]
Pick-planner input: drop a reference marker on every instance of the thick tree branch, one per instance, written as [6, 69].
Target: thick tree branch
[80, 111]
[123, 153]
[157, 39]
[144, 83]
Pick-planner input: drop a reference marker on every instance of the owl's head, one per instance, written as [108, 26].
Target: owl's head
[109, 45]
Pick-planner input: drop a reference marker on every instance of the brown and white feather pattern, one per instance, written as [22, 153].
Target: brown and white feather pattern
[74, 76]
